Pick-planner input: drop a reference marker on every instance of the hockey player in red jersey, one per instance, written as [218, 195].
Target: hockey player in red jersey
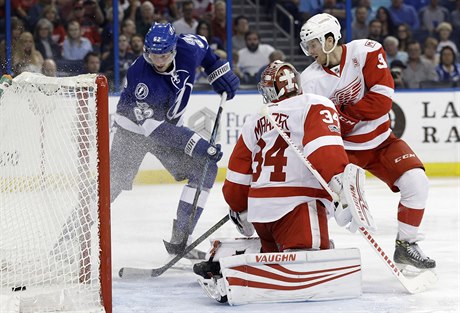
[356, 77]
[283, 200]
[270, 188]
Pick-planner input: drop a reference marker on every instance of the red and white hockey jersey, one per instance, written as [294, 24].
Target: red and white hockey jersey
[362, 86]
[266, 176]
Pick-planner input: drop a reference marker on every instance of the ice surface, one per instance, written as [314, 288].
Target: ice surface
[141, 218]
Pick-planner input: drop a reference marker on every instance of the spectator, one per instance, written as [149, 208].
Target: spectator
[167, 9]
[90, 17]
[26, 56]
[146, 19]
[128, 28]
[375, 31]
[397, 67]
[125, 59]
[359, 27]
[417, 70]
[21, 8]
[219, 22]
[43, 41]
[205, 30]
[447, 69]
[275, 55]
[50, 12]
[49, 68]
[253, 57]
[240, 28]
[335, 9]
[35, 12]
[444, 30]
[203, 9]
[429, 51]
[370, 10]
[75, 47]
[404, 36]
[17, 28]
[137, 45]
[390, 45]
[92, 63]
[431, 16]
[388, 26]
[404, 14]
[235, 67]
[187, 23]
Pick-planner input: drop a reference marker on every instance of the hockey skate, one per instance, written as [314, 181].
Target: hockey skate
[176, 244]
[408, 256]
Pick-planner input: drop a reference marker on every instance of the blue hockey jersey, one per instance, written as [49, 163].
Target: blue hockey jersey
[150, 98]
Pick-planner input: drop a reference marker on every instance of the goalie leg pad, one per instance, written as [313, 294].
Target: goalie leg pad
[292, 276]
[353, 190]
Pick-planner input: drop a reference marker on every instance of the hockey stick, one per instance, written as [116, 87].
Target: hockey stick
[132, 272]
[413, 285]
[181, 246]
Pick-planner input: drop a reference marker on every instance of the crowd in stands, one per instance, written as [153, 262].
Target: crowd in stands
[69, 37]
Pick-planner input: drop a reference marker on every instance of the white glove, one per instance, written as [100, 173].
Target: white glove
[342, 213]
[244, 227]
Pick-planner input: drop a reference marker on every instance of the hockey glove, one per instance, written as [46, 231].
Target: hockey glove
[222, 78]
[347, 123]
[244, 227]
[197, 147]
[352, 210]
[5, 82]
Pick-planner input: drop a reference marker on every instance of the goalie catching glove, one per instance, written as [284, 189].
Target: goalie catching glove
[222, 78]
[241, 221]
[352, 209]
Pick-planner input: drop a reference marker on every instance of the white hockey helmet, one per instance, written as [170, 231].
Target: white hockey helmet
[279, 81]
[316, 28]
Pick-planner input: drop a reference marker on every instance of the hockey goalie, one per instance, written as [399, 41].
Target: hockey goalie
[271, 191]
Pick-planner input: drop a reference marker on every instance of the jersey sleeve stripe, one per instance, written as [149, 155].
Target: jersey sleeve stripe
[383, 90]
[238, 178]
[322, 141]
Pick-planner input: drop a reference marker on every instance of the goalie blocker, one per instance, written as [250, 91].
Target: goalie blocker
[237, 274]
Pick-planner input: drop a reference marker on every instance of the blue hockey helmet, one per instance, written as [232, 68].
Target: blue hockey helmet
[160, 39]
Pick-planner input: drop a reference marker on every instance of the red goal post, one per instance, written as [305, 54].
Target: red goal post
[55, 246]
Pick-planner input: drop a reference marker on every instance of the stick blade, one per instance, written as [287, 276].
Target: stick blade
[134, 273]
[420, 283]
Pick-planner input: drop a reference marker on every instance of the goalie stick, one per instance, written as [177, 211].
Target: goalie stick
[132, 272]
[413, 285]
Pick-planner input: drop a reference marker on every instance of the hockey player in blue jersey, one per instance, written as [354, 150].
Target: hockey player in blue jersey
[150, 119]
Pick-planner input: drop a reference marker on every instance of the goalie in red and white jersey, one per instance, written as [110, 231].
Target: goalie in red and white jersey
[270, 189]
[356, 77]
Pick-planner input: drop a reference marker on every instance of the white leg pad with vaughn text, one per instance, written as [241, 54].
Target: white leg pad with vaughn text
[292, 276]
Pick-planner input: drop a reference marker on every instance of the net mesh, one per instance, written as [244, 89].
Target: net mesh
[49, 245]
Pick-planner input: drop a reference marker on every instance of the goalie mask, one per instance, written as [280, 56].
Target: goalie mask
[317, 27]
[279, 81]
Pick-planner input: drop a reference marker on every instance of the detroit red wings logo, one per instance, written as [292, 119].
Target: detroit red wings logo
[348, 94]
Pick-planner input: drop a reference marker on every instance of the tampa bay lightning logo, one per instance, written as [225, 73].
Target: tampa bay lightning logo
[142, 91]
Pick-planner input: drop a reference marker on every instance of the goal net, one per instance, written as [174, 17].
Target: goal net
[54, 195]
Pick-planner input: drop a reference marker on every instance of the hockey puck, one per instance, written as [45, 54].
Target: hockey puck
[19, 288]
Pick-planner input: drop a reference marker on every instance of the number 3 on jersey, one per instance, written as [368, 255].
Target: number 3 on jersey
[272, 157]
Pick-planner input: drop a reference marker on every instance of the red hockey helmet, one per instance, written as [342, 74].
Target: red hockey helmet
[279, 81]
